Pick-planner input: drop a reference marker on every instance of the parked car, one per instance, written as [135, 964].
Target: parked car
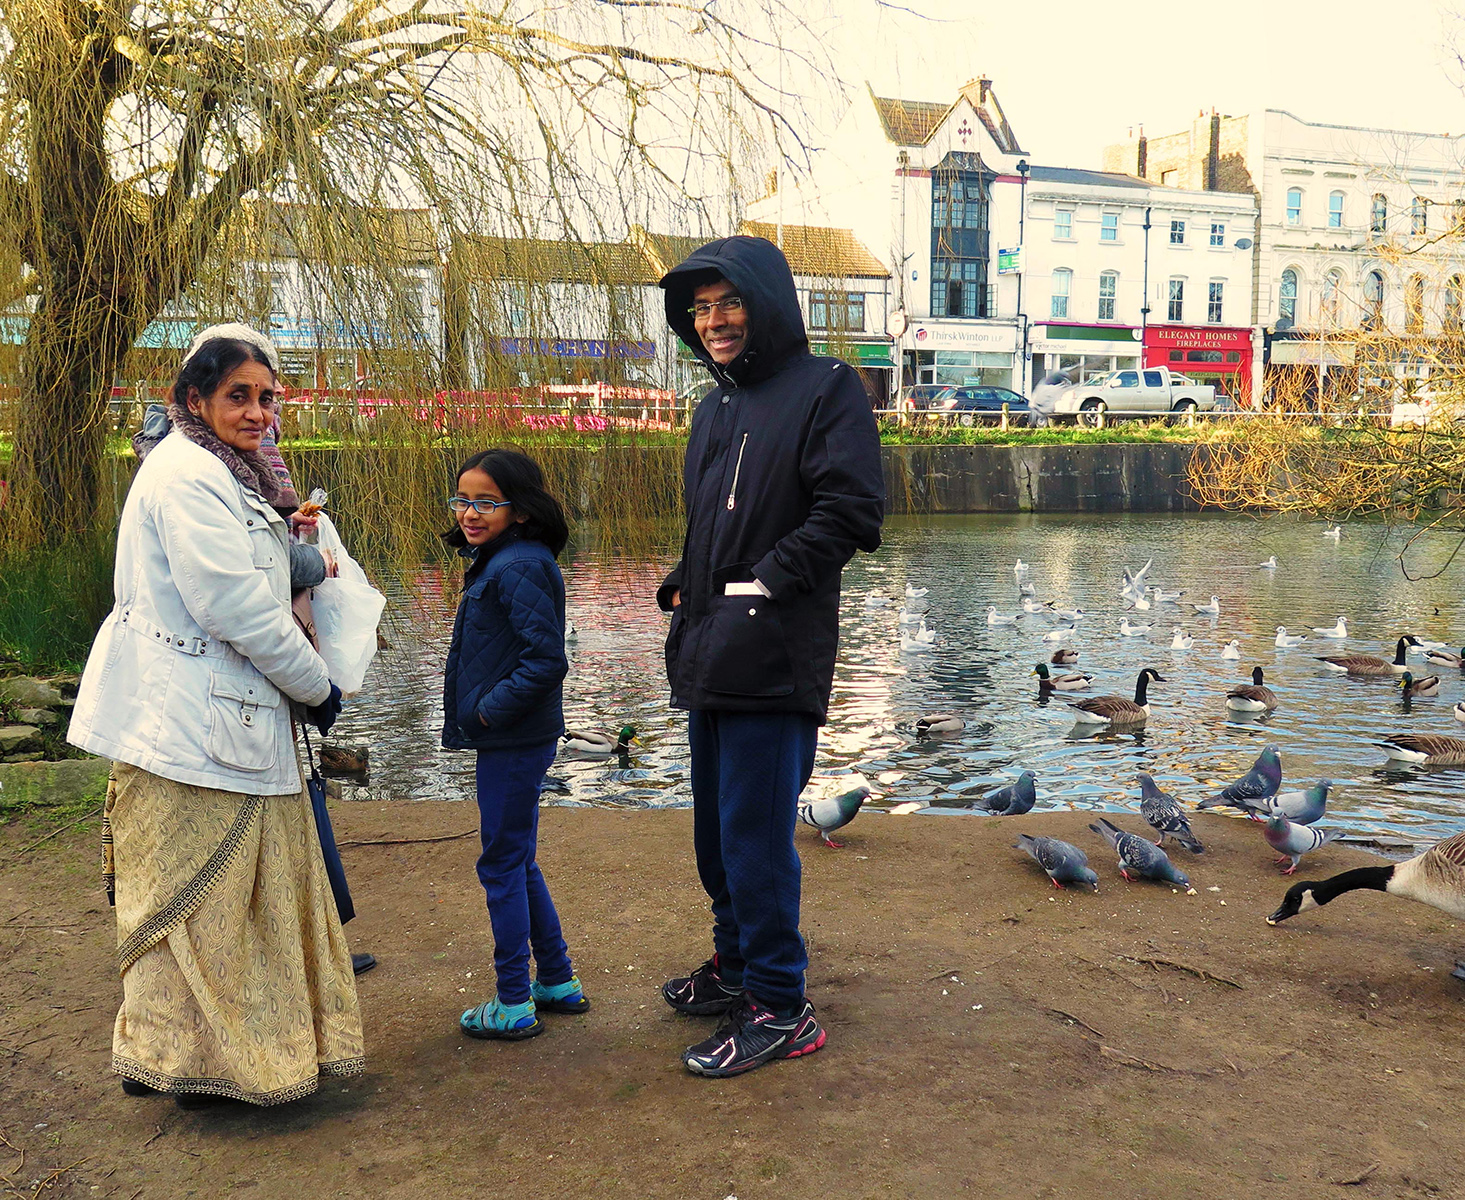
[1424, 407]
[982, 405]
[919, 397]
[1147, 393]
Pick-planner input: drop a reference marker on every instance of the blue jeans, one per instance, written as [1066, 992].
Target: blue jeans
[519, 907]
[747, 772]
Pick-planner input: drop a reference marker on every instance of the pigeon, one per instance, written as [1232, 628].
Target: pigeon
[1304, 807]
[833, 812]
[1142, 856]
[1269, 565]
[1163, 814]
[1180, 640]
[1293, 841]
[1213, 609]
[1285, 639]
[1065, 863]
[1232, 650]
[1337, 632]
[1012, 800]
[996, 618]
[1262, 782]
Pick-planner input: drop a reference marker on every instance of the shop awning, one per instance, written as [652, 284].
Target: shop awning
[1313, 354]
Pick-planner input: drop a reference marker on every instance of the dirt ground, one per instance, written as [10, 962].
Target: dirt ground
[987, 1035]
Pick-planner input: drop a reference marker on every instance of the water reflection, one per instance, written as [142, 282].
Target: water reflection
[1326, 724]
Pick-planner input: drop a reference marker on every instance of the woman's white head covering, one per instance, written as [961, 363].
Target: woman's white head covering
[238, 333]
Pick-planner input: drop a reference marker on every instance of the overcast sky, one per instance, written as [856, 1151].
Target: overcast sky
[1073, 75]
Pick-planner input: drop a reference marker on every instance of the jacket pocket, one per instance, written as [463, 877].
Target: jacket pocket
[675, 635]
[242, 730]
[744, 648]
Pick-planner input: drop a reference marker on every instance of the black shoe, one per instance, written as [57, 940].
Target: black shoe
[135, 1087]
[751, 1036]
[703, 992]
[361, 963]
[196, 1100]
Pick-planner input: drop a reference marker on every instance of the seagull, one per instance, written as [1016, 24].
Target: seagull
[572, 635]
[1058, 635]
[1141, 856]
[1069, 614]
[874, 601]
[1285, 639]
[1063, 862]
[1140, 602]
[1335, 532]
[1232, 650]
[1163, 814]
[915, 645]
[996, 618]
[915, 593]
[1135, 580]
[1128, 630]
[1337, 632]
[1269, 565]
[1010, 801]
[1180, 640]
[1164, 597]
[1025, 589]
[1293, 841]
[1213, 609]
[829, 813]
[922, 634]
[907, 617]
[1029, 605]
[1262, 782]
[1019, 569]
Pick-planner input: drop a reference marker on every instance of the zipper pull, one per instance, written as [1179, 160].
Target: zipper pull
[732, 496]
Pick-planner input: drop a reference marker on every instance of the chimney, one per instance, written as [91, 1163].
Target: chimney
[1142, 155]
[1213, 153]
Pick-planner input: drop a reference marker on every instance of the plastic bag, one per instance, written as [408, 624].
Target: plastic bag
[347, 609]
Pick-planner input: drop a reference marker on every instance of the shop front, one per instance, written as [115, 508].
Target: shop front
[871, 357]
[962, 352]
[1083, 352]
[1209, 354]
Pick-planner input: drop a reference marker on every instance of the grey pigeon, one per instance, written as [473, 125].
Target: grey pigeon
[1262, 782]
[1304, 807]
[1012, 800]
[1065, 863]
[1140, 855]
[829, 813]
[1293, 841]
[1163, 814]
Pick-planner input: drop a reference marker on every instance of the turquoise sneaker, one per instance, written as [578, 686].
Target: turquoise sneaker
[567, 997]
[494, 1019]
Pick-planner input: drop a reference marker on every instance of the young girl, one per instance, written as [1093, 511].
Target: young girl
[501, 697]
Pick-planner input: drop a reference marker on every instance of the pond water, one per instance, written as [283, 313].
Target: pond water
[1327, 724]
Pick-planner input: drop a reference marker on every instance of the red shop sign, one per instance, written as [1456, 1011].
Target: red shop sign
[1197, 337]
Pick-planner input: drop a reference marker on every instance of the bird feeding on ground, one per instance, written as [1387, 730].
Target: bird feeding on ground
[1292, 841]
[1116, 710]
[1065, 863]
[1013, 800]
[1304, 807]
[1163, 814]
[829, 813]
[1252, 697]
[1141, 856]
[1262, 782]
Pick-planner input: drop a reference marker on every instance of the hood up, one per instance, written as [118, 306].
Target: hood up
[760, 272]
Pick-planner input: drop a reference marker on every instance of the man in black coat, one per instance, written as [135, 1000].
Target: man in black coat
[782, 484]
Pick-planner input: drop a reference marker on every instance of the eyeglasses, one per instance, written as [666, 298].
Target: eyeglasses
[482, 507]
[728, 304]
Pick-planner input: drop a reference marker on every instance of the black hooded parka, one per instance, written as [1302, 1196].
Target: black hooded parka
[782, 484]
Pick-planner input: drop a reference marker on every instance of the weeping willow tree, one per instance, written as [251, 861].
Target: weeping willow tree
[157, 158]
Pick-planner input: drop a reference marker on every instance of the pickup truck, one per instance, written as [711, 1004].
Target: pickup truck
[1147, 393]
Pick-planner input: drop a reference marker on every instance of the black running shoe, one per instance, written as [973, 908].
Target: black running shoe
[703, 993]
[751, 1036]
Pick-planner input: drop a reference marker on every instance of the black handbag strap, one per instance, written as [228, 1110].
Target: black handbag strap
[309, 754]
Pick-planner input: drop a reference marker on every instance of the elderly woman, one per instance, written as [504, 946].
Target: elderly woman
[236, 977]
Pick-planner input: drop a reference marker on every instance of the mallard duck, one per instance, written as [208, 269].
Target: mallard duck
[1075, 681]
[1337, 632]
[1428, 686]
[591, 743]
[1064, 658]
[1436, 878]
[1285, 640]
[1252, 697]
[1425, 749]
[1368, 664]
[940, 723]
[1443, 658]
[1116, 710]
[352, 763]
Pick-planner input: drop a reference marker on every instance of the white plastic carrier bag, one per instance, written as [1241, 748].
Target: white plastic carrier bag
[347, 611]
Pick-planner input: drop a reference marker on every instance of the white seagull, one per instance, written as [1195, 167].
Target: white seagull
[996, 618]
[1058, 634]
[1180, 640]
[1019, 569]
[1137, 600]
[1164, 597]
[1285, 639]
[874, 601]
[915, 593]
[1335, 532]
[1269, 565]
[1128, 630]
[917, 644]
[1232, 650]
[1213, 609]
[1338, 632]
[1032, 605]
[1069, 614]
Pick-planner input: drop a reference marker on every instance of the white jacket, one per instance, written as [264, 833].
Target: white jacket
[186, 676]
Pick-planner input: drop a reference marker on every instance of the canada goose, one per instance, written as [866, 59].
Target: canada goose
[1338, 632]
[1459, 711]
[1128, 630]
[1284, 639]
[1075, 682]
[940, 723]
[591, 743]
[1252, 697]
[1180, 640]
[1428, 686]
[1426, 749]
[1064, 658]
[1443, 658]
[1232, 650]
[1367, 664]
[1116, 710]
[1436, 878]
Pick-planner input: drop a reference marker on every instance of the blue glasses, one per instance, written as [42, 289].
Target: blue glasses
[482, 507]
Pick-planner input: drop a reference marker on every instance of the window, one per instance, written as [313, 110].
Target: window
[1153, 379]
[1294, 206]
[1335, 210]
[1218, 234]
[1453, 287]
[1213, 301]
[1126, 379]
[1414, 304]
[1108, 287]
[1419, 217]
[959, 287]
[1167, 178]
[1176, 309]
[1177, 232]
[1062, 223]
[1287, 297]
[837, 310]
[959, 252]
[1108, 227]
[1373, 300]
[1062, 283]
[1332, 294]
[1378, 213]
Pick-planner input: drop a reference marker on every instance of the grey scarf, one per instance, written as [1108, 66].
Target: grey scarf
[251, 468]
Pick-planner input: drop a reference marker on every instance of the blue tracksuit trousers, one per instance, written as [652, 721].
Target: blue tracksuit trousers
[747, 772]
[519, 907]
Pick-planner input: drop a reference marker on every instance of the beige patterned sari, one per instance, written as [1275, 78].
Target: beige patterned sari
[236, 977]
